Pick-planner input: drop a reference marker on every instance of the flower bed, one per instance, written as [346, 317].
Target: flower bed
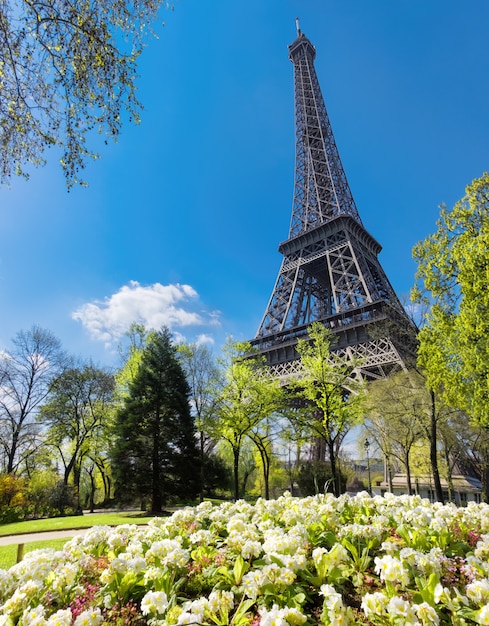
[319, 560]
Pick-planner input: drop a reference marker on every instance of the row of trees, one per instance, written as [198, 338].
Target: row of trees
[163, 424]
[157, 428]
[452, 284]
[170, 421]
[435, 417]
[416, 432]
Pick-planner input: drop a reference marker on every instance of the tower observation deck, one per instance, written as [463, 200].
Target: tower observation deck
[330, 270]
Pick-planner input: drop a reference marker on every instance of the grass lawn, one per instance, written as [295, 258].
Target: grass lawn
[73, 521]
[8, 554]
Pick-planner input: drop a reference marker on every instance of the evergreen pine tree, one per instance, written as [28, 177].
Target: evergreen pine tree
[154, 454]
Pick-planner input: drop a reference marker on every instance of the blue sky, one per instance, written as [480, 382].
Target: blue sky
[182, 218]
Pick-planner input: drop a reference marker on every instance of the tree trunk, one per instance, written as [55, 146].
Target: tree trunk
[485, 482]
[433, 450]
[76, 486]
[91, 473]
[265, 463]
[389, 473]
[266, 476]
[236, 472]
[246, 476]
[408, 474]
[334, 470]
[453, 496]
[105, 480]
[202, 469]
[12, 452]
[156, 496]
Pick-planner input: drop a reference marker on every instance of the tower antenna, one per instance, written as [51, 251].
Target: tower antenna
[298, 27]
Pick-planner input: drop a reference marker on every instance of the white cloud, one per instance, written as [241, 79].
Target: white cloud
[175, 306]
[204, 338]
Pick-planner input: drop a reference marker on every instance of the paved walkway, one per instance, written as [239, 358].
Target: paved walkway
[43, 536]
[8, 540]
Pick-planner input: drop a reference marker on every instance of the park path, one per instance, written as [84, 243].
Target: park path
[42, 536]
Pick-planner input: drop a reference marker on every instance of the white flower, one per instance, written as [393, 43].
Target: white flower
[193, 612]
[389, 546]
[251, 583]
[251, 549]
[152, 574]
[278, 576]
[66, 576]
[236, 525]
[91, 617]
[294, 562]
[34, 617]
[391, 569]
[204, 537]
[439, 593]
[16, 603]
[427, 614]
[281, 617]
[62, 617]
[187, 618]
[168, 552]
[374, 603]
[294, 616]
[338, 614]
[107, 576]
[478, 591]
[332, 599]
[483, 615]
[154, 603]
[402, 608]
[221, 601]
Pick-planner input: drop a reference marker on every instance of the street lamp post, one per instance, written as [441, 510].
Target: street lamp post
[367, 446]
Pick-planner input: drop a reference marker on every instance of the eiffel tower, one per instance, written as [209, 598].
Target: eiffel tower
[330, 271]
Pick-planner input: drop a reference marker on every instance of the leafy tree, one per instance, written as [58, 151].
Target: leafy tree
[249, 395]
[26, 375]
[469, 449]
[247, 470]
[131, 356]
[63, 500]
[295, 435]
[75, 414]
[96, 478]
[40, 488]
[452, 276]
[43, 459]
[401, 411]
[478, 453]
[154, 454]
[66, 68]
[451, 450]
[316, 477]
[205, 380]
[395, 413]
[217, 476]
[262, 436]
[12, 498]
[328, 385]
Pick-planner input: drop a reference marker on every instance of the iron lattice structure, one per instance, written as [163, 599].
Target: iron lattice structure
[330, 270]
